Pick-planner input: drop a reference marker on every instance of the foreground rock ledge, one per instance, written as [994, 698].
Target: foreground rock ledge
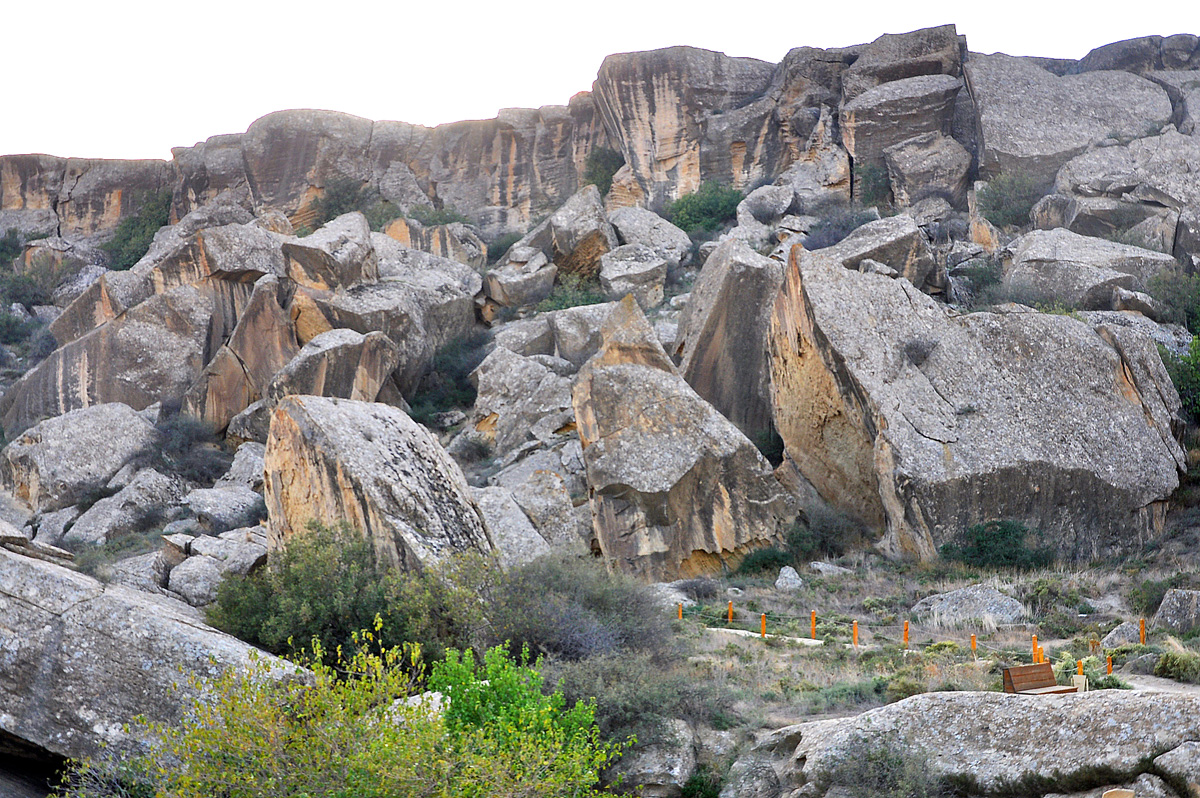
[921, 423]
[370, 465]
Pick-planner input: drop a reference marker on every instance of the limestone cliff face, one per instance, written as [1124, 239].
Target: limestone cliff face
[921, 423]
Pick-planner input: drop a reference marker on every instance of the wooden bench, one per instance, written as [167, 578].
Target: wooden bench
[1035, 679]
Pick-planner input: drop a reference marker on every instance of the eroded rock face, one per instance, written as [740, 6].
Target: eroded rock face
[83, 658]
[917, 423]
[1179, 611]
[339, 363]
[896, 56]
[723, 334]
[455, 241]
[640, 226]
[339, 254]
[977, 602]
[675, 489]
[897, 243]
[895, 112]
[1031, 121]
[370, 465]
[928, 165]
[520, 400]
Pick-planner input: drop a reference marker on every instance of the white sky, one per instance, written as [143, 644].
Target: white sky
[126, 79]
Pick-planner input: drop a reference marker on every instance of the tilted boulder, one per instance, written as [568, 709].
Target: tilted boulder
[517, 540]
[723, 334]
[339, 254]
[370, 465]
[574, 236]
[136, 507]
[339, 363]
[455, 241]
[675, 489]
[916, 422]
[633, 269]
[520, 400]
[1144, 54]
[895, 112]
[58, 462]
[640, 226]
[896, 56]
[1078, 271]
[526, 276]
[1179, 611]
[576, 331]
[928, 165]
[896, 242]
[83, 658]
[973, 603]
[1031, 121]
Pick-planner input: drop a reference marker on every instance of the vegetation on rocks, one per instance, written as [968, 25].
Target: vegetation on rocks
[570, 291]
[1007, 199]
[602, 163]
[871, 184]
[135, 233]
[448, 384]
[345, 194]
[836, 225]
[430, 216]
[998, 544]
[711, 206]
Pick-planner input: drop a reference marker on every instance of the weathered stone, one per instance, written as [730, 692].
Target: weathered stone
[1127, 632]
[1031, 122]
[893, 409]
[633, 269]
[82, 658]
[58, 462]
[544, 497]
[1179, 611]
[520, 400]
[252, 424]
[722, 335]
[788, 581]
[51, 527]
[1182, 764]
[526, 337]
[675, 489]
[829, 569]
[1183, 87]
[1078, 271]
[659, 770]
[766, 205]
[338, 255]
[339, 363]
[894, 112]
[233, 556]
[370, 465]
[891, 57]
[517, 541]
[1144, 54]
[247, 467]
[443, 290]
[518, 283]
[640, 226]
[751, 777]
[997, 740]
[228, 507]
[896, 242]
[136, 507]
[455, 241]
[928, 165]
[820, 177]
[575, 235]
[577, 331]
[196, 579]
[974, 603]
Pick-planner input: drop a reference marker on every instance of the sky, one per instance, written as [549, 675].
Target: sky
[125, 79]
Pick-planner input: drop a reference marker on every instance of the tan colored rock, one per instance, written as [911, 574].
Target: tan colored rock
[894, 112]
[675, 489]
[915, 422]
[520, 400]
[370, 465]
[723, 335]
[338, 255]
[456, 241]
[339, 363]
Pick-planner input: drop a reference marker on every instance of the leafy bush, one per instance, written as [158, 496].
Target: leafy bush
[12, 244]
[187, 447]
[1007, 200]
[997, 544]
[1182, 666]
[767, 560]
[342, 732]
[706, 209]
[836, 225]
[429, 216]
[448, 383]
[871, 182]
[1185, 375]
[571, 290]
[827, 533]
[135, 233]
[602, 163]
[14, 329]
[498, 248]
[1147, 595]
[1179, 293]
[704, 783]
[325, 585]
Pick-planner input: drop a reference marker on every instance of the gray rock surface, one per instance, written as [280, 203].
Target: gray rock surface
[517, 541]
[340, 363]
[520, 400]
[894, 112]
[640, 226]
[227, 507]
[1031, 121]
[196, 579]
[247, 467]
[974, 603]
[895, 56]
[928, 165]
[334, 460]
[340, 254]
[633, 269]
[139, 506]
[1126, 632]
[576, 331]
[659, 770]
[1182, 764]
[525, 278]
[1179, 611]
[893, 409]
[788, 580]
[56, 463]
[896, 242]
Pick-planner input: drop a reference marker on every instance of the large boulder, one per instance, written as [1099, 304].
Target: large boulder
[339, 254]
[1077, 271]
[519, 400]
[723, 334]
[895, 112]
[338, 363]
[82, 658]
[1145, 54]
[994, 740]
[928, 165]
[675, 488]
[137, 507]
[640, 226]
[974, 603]
[915, 421]
[574, 237]
[456, 241]
[896, 56]
[61, 460]
[633, 269]
[896, 242]
[1179, 611]
[517, 540]
[526, 276]
[1031, 121]
[370, 465]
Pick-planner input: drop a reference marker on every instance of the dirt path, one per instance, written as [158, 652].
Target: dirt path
[1153, 684]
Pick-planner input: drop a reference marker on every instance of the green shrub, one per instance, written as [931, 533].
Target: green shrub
[997, 544]
[14, 329]
[836, 225]
[135, 233]
[871, 184]
[707, 209]
[12, 244]
[448, 383]
[187, 447]
[429, 216]
[880, 767]
[1182, 666]
[1007, 200]
[344, 195]
[602, 163]
[767, 560]
[1185, 375]
[1179, 293]
[571, 291]
[705, 782]
[498, 248]
[826, 533]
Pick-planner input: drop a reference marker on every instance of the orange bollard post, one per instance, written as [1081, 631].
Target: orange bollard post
[814, 624]
[1110, 666]
[972, 645]
[856, 634]
[1079, 667]
[764, 624]
[906, 634]
[731, 612]
[1035, 648]
[681, 610]
[1142, 630]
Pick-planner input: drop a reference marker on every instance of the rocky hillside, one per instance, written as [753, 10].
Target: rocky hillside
[683, 318]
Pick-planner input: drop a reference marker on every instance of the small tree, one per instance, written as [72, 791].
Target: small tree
[706, 209]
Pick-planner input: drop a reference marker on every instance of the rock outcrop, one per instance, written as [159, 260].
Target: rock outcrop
[1179, 611]
[675, 489]
[915, 422]
[974, 603]
[894, 112]
[371, 466]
